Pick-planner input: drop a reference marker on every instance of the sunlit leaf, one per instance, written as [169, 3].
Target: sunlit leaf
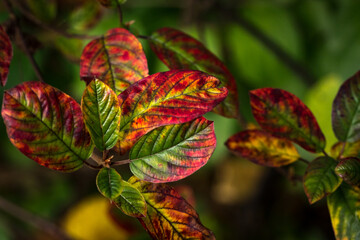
[165, 98]
[180, 51]
[320, 179]
[344, 208]
[173, 152]
[117, 59]
[346, 149]
[46, 125]
[169, 216]
[262, 148]
[6, 54]
[111, 3]
[109, 183]
[101, 112]
[349, 170]
[285, 115]
[131, 201]
[346, 110]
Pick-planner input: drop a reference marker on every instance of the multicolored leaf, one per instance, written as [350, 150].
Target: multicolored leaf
[262, 148]
[46, 125]
[343, 150]
[285, 115]
[346, 110]
[6, 54]
[349, 170]
[117, 59]
[320, 179]
[165, 98]
[173, 152]
[180, 51]
[344, 208]
[111, 3]
[169, 216]
[101, 112]
[131, 201]
[109, 183]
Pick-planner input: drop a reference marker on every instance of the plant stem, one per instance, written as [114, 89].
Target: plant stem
[143, 36]
[92, 166]
[326, 155]
[31, 219]
[342, 150]
[122, 162]
[121, 21]
[22, 40]
[304, 160]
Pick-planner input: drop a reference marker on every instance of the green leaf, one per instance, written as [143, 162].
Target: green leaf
[173, 152]
[286, 116]
[101, 112]
[344, 212]
[262, 148]
[345, 149]
[109, 183]
[46, 125]
[111, 3]
[180, 51]
[320, 179]
[131, 201]
[346, 110]
[349, 170]
[169, 216]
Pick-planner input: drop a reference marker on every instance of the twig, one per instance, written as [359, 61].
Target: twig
[120, 14]
[22, 41]
[143, 36]
[92, 166]
[31, 219]
[342, 150]
[41, 24]
[122, 162]
[304, 160]
[326, 155]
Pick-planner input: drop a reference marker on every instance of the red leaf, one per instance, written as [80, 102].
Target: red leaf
[117, 59]
[180, 51]
[285, 115]
[6, 54]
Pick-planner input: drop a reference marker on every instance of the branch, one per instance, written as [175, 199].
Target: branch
[22, 41]
[122, 162]
[31, 219]
[121, 21]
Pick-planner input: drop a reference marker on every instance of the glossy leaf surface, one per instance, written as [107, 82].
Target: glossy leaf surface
[101, 112]
[346, 110]
[349, 170]
[131, 201]
[111, 3]
[108, 182]
[6, 54]
[173, 152]
[169, 216]
[180, 51]
[344, 212]
[165, 98]
[285, 115]
[117, 59]
[262, 148]
[320, 179]
[46, 125]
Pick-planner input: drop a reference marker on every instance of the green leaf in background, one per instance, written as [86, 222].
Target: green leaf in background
[46, 10]
[84, 16]
[46, 125]
[320, 179]
[109, 183]
[173, 152]
[346, 110]
[286, 116]
[111, 3]
[344, 211]
[349, 170]
[319, 100]
[101, 113]
[169, 216]
[131, 201]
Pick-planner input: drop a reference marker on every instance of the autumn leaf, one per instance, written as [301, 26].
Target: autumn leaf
[262, 148]
[117, 59]
[346, 110]
[165, 98]
[320, 179]
[343, 150]
[6, 54]
[173, 152]
[108, 182]
[101, 112]
[349, 170]
[169, 216]
[46, 125]
[180, 51]
[285, 115]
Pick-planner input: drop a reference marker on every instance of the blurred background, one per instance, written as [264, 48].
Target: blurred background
[307, 47]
